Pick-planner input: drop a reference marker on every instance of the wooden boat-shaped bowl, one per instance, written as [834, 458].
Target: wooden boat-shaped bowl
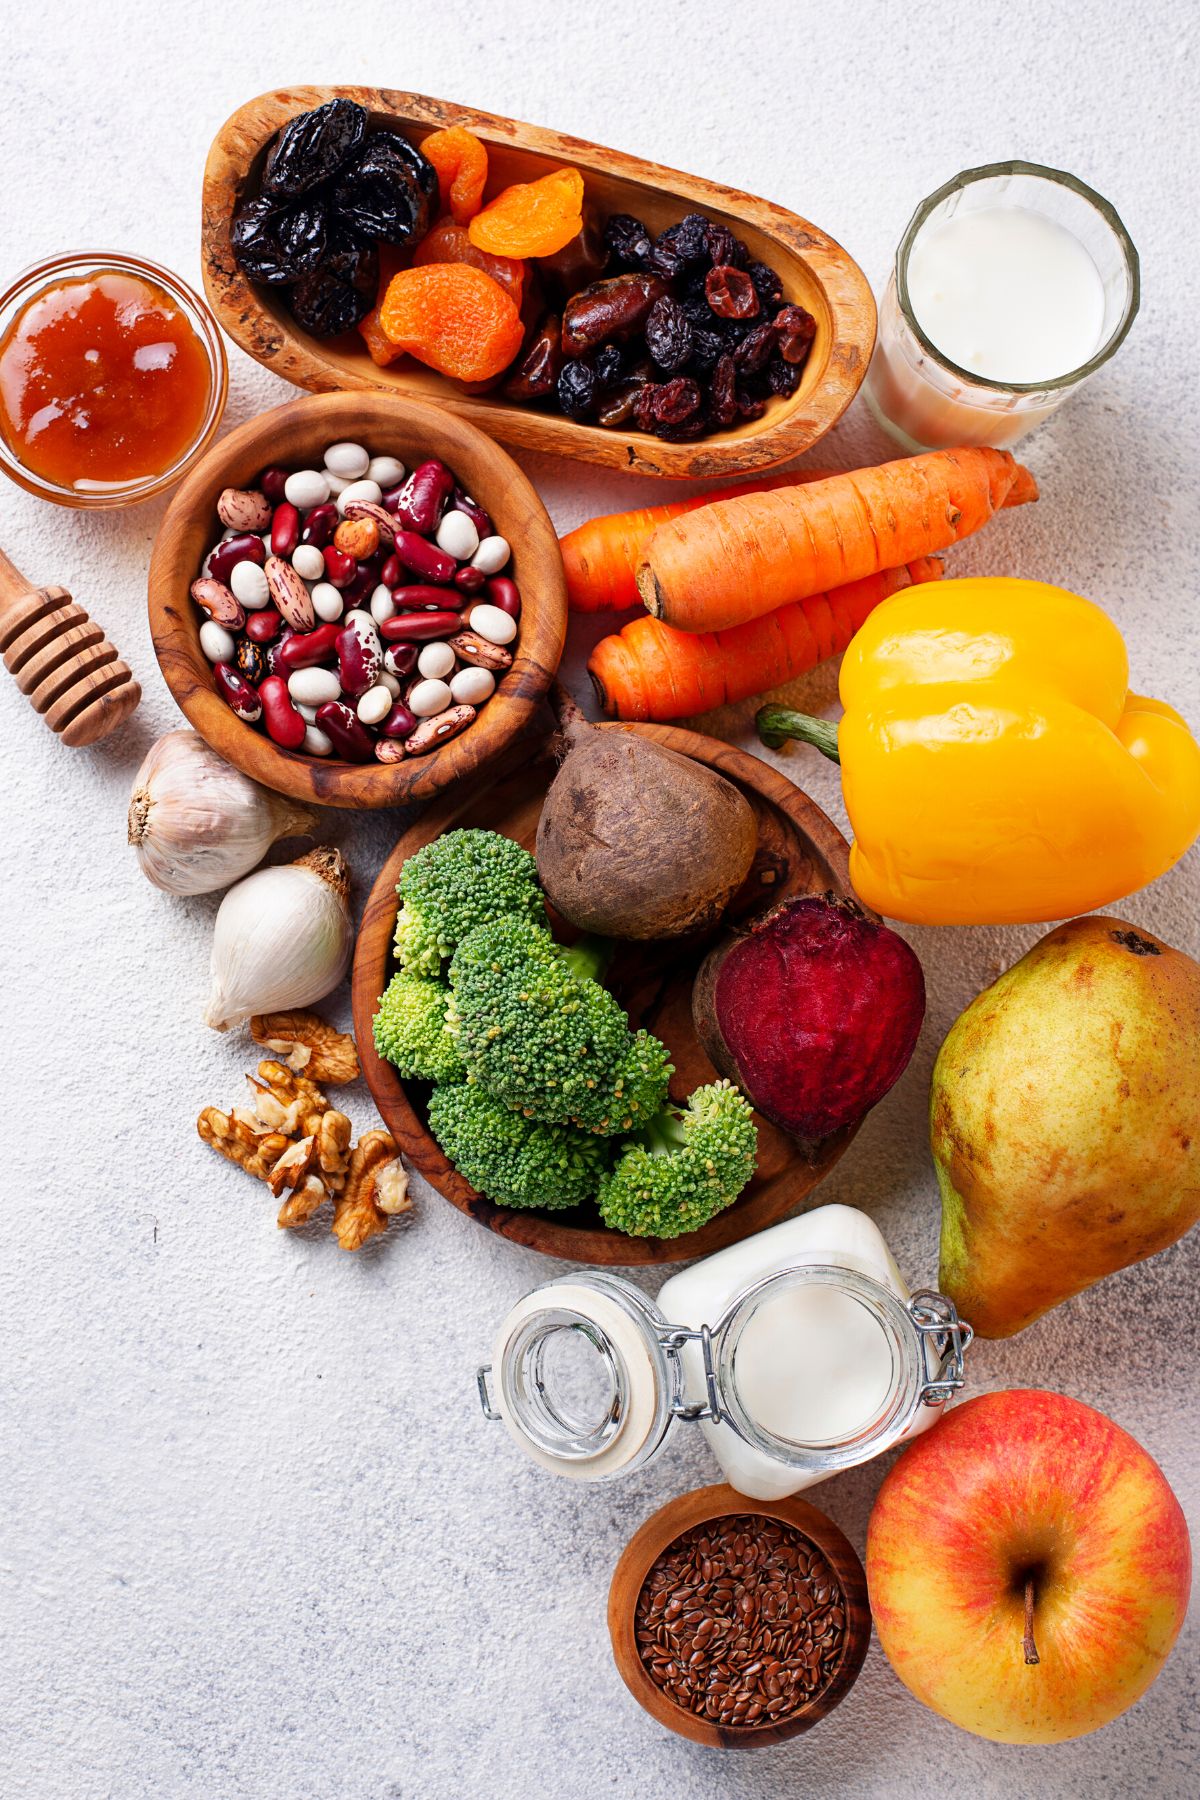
[815, 271]
[800, 851]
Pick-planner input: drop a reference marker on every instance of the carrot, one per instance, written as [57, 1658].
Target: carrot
[648, 670]
[601, 557]
[741, 558]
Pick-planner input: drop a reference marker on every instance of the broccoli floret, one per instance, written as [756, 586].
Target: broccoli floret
[540, 1034]
[514, 1160]
[460, 880]
[410, 1029]
[684, 1167]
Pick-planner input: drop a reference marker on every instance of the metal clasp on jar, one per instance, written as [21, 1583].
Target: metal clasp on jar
[949, 1336]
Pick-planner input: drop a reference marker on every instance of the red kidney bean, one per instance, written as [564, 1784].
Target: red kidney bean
[420, 628]
[400, 659]
[262, 626]
[423, 558]
[320, 525]
[237, 693]
[421, 599]
[422, 499]
[391, 500]
[285, 529]
[304, 649]
[479, 519]
[340, 569]
[399, 722]
[361, 584]
[392, 572]
[348, 734]
[245, 547]
[469, 579]
[360, 655]
[505, 594]
[272, 482]
[285, 726]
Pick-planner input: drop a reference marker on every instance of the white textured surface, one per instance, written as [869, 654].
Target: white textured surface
[256, 1540]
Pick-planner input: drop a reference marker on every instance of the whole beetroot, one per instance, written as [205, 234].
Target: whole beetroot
[814, 1010]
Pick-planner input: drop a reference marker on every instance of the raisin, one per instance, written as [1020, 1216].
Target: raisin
[796, 330]
[724, 392]
[314, 146]
[731, 292]
[536, 374]
[662, 260]
[676, 401]
[576, 388]
[749, 404]
[685, 430]
[609, 309]
[767, 284]
[609, 363]
[707, 346]
[688, 239]
[341, 289]
[782, 377]
[617, 406]
[628, 240]
[278, 243]
[696, 308]
[643, 407]
[668, 334]
[388, 191]
[720, 244]
[754, 351]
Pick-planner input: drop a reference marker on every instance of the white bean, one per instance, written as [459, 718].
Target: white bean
[306, 487]
[492, 554]
[314, 686]
[316, 743]
[375, 704]
[386, 471]
[307, 713]
[382, 604]
[471, 687]
[436, 661]
[337, 484]
[457, 536]
[496, 626]
[350, 460]
[327, 602]
[429, 697]
[216, 643]
[388, 680]
[359, 490]
[308, 562]
[249, 584]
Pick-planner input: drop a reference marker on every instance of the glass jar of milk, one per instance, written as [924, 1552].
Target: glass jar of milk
[799, 1352]
[1012, 285]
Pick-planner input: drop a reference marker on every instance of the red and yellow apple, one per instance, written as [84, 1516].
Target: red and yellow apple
[1028, 1568]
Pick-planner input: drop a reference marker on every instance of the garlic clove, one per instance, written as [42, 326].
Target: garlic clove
[282, 939]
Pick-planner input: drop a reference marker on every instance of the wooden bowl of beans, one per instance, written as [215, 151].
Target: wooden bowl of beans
[738, 1622]
[353, 641]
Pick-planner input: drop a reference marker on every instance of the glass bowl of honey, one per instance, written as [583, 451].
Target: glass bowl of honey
[112, 379]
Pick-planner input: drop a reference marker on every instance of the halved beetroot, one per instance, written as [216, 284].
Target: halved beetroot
[814, 1010]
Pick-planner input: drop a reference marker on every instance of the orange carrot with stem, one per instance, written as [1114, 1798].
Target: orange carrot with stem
[648, 670]
[741, 558]
[601, 557]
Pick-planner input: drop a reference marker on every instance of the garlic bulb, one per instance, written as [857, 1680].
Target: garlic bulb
[282, 939]
[198, 824]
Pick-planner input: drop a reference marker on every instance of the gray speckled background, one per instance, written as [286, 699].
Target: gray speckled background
[255, 1539]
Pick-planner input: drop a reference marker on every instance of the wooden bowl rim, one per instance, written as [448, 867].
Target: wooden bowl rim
[786, 429]
[538, 1230]
[681, 1515]
[174, 625]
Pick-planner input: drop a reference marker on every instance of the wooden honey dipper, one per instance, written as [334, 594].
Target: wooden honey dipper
[62, 660]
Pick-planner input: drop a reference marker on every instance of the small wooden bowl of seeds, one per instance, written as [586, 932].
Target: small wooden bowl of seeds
[738, 1622]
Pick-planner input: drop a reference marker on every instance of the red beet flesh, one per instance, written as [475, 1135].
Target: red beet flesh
[814, 1011]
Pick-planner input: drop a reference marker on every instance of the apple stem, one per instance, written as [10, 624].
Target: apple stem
[1030, 1648]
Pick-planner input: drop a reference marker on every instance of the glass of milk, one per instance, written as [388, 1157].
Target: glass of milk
[1012, 285]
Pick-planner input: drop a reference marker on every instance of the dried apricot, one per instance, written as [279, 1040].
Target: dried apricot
[534, 218]
[461, 162]
[380, 347]
[454, 318]
[449, 243]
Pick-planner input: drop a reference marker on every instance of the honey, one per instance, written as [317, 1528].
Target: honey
[104, 382]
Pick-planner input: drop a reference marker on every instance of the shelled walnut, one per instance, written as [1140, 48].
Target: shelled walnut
[308, 1043]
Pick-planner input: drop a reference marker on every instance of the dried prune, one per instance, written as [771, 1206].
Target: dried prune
[767, 284]
[676, 401]
[707, 346]
[608, 365]
[341, 290]
[537, 372]
[720, 244]
[278, 242]
[668, 334]
[731, 292]
[313, 147]
[724, 392]
[688, 239]
[581, 260]
[796, 330]
[576, 388]
[627, 239]
[609, 309]
[782, 377]
[387, 191]
[756, 348]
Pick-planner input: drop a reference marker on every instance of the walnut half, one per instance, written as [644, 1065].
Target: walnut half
[305, 1041]
[376, 1188]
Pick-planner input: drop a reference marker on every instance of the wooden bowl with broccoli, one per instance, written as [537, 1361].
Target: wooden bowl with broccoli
[646, 1005]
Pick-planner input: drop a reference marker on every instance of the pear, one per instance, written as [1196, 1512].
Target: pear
[1065, 1121]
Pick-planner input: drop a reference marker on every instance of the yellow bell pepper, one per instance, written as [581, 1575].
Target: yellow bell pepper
[995, 766]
